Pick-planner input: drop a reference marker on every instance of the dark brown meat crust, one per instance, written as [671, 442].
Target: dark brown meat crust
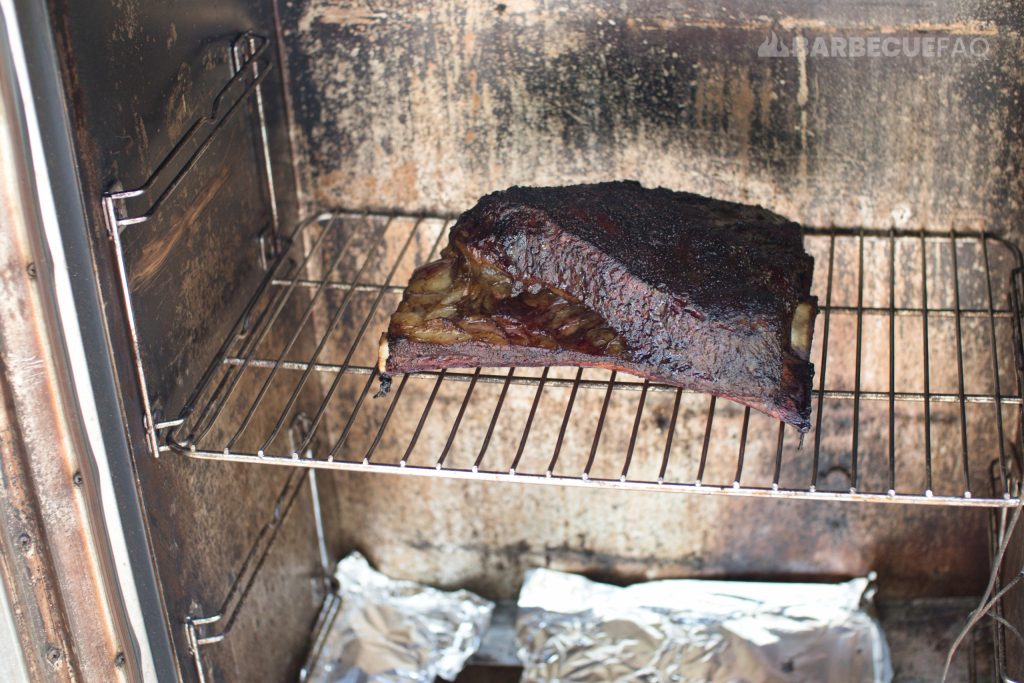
[671, 286]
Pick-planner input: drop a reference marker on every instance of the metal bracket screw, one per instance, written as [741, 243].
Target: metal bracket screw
[31, 270]
[77, 479]
[24, 542]
[53, 655]
[119, 660]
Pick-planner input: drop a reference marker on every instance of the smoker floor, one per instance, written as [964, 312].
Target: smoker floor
[917, 395]
[919, 633]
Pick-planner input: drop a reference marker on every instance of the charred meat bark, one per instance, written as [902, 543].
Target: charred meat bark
[703, 294]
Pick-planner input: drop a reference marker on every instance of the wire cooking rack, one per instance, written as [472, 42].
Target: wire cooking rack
[917, 387]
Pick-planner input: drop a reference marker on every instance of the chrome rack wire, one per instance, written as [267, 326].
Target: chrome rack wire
[917, 351]
[204, 631]
[122, 209]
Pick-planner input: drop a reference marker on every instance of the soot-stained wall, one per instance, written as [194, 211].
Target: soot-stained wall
[431, 105]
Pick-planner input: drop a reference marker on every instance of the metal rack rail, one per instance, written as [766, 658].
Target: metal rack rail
[125, 208]
[917, 353]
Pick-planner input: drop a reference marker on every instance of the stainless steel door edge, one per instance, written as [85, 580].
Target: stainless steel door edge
[86, 548]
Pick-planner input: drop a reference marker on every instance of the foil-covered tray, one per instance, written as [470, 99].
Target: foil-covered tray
[570, 628]
[387, 630]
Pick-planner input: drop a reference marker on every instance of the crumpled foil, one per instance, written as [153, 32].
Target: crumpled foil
[572, 629]
[389, 630]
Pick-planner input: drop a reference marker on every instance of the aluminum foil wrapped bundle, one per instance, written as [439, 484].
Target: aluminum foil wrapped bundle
[572, 629]
[389, 630]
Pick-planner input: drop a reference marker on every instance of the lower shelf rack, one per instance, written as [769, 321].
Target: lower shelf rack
[917, 389]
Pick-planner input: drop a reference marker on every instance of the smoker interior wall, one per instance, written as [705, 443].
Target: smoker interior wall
[428, 107]
[431, 105]
[484, 536]
[137, 76]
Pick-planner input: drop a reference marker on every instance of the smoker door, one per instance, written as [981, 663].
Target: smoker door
[68, 607]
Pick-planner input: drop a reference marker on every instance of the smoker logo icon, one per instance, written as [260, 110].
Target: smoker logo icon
[772, 47]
